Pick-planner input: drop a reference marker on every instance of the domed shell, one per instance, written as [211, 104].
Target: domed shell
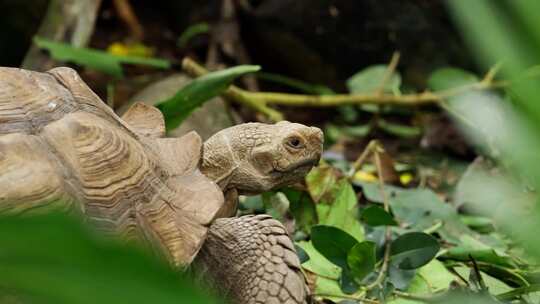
[62, 148]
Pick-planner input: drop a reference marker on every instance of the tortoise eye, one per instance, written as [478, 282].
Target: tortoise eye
[295, 142]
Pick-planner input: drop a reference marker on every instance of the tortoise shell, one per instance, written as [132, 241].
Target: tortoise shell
[61, 147]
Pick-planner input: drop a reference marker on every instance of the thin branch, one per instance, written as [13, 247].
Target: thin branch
[362, 158]
[297, 100]
[348, 297]
[388, 233]
[507, 296]
[260, 100]
[388, 73]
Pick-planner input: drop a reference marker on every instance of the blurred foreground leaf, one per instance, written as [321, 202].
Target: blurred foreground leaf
[57, 260]
[177, 108]
[96, 59]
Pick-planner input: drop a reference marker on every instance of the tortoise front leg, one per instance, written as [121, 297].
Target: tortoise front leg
[251, 259]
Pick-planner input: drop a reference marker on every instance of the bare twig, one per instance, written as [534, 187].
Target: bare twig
[362, 158]
[388, 73]
[388, 233]
[348, 297]
[128, 16]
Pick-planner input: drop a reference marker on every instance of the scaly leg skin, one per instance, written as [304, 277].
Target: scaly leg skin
[251, 260]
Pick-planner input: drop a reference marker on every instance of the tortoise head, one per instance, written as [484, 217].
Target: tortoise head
[256, 157]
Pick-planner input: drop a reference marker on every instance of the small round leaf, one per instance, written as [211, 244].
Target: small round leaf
[377, 216]
[333, 243]
[414, 250]
[361, 259]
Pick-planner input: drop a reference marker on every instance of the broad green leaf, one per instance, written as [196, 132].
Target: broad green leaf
[481, 255]
[192, 31]
[369, 79]
[318, 264]
[400, 278]
[302, 208]
[343, 210]
[57, 260]
[96, 59]
[422, 208]
[321, 183]
[494, 285]
[333, 243]
[331, 290]
[177, 108]
[449, 77]
[361, 259]
[302, 254]
[377, 216]
[413, 250]
[428, 279]
[346, 281]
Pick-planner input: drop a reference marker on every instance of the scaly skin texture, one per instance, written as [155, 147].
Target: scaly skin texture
[62, 148]
[253, 158]
[251, 259]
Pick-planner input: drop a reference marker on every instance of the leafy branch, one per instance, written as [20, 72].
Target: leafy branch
[260, 100]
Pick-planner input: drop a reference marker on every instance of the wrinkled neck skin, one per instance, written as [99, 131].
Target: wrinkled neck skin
[219, 162]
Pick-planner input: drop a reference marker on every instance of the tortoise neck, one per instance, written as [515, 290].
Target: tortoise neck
[219, 160]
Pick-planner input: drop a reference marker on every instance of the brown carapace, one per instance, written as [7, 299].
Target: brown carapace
[62, 148]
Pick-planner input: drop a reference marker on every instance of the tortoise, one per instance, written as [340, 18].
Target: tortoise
[62, 148]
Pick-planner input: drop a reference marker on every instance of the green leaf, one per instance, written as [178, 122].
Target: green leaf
[302, 254]
[449, 77]
[343, 210]
[333, 243]
[376, 216]
[321, 183]
[302, 208]
[494, 285]
[361, 259]
[192, 31]
[369, 79]
[399, 129]
[57, 260]
[96, 59]
[428, 279]
[317, 263]
[489, 256]
[193, 95]
[413, 250]
[297, 84]
[422, 208]
[347, 284]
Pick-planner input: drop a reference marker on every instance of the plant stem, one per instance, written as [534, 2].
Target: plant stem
[260, 100]
[507, 296]
[377, 149]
